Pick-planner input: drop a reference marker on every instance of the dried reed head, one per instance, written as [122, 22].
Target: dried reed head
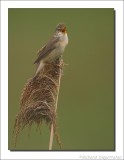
[39, 97]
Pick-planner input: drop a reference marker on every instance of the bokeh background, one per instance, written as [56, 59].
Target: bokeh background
[86, 99]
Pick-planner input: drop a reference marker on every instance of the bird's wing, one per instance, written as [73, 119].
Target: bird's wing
[45, 51]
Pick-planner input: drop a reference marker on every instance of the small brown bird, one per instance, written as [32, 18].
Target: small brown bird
[54, 48]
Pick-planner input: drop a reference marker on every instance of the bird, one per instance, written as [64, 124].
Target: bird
[54, 48]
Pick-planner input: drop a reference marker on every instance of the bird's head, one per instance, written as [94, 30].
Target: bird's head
[61, 28]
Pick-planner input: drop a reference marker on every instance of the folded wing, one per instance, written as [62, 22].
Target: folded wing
[45, 51]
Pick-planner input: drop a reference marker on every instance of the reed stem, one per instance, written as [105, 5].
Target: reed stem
[52, 128]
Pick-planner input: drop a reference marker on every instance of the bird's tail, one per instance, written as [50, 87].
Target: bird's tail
[40, 67]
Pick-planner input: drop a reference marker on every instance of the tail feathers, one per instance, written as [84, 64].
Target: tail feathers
[40, 67]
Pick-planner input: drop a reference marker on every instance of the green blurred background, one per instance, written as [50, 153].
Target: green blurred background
[86, 99]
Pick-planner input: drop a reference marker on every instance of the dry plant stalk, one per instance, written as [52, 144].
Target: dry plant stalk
[39, 100]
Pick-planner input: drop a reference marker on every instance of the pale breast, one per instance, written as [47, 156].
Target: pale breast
[60, 46]
[64, 40]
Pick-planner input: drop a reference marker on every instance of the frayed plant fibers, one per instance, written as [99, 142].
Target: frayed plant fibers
[38, 99]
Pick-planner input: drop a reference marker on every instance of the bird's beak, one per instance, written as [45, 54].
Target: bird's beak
[64, 30]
